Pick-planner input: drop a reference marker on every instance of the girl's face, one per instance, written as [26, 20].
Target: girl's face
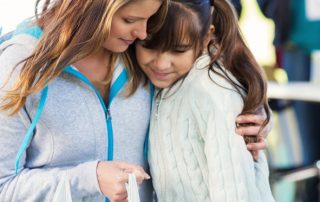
[164, 68]
[130, 23]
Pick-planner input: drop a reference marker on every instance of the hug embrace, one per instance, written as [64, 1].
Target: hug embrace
[94, 90]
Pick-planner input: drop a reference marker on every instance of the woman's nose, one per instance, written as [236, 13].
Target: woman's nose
[140, 31]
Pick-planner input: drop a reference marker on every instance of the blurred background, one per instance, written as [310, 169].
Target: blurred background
[284, 36]
[14, 11]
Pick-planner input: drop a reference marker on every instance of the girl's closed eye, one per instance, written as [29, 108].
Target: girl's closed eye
[181, 49]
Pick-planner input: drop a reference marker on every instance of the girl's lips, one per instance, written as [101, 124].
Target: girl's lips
[160, 75]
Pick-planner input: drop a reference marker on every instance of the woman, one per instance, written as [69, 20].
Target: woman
[76, 55]
[206, 76]
[65, 76]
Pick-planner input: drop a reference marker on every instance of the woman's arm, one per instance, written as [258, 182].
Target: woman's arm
[38, 183]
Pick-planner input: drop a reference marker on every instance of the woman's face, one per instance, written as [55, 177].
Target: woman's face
[164, 68]
[130, 23]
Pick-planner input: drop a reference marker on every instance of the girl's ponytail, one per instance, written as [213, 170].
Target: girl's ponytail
[237, 58]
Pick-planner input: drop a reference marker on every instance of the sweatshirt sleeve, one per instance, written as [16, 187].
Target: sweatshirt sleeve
[39, 184]
[232, 174]
[36, 184]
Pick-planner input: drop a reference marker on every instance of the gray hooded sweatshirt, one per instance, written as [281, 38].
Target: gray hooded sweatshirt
[70, 137]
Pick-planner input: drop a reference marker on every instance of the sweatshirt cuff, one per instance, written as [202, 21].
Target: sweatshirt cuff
[83, 178]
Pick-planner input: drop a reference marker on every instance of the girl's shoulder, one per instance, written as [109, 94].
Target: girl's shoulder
[201, 79]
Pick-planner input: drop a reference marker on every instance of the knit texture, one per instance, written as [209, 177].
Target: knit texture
[195, 154]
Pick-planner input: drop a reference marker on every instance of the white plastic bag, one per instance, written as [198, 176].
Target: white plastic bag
[132, 189]
[63, 193]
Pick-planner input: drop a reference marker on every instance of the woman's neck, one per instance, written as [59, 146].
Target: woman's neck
[95, 67]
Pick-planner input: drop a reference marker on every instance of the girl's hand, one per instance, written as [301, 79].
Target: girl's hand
[249, 126]
[112, 176]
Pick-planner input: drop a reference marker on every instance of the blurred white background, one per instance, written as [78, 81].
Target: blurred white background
[12, 12]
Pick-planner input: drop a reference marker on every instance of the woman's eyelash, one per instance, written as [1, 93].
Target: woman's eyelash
[129, 20]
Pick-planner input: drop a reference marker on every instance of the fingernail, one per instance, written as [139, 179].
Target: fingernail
[147, 177]
[249, 146]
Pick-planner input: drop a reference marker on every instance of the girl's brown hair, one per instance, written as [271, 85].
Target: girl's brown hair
[72, 30]
[190, 20]
[237, 58]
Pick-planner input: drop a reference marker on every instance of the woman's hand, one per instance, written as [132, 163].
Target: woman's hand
[249, 126]
[112, 176]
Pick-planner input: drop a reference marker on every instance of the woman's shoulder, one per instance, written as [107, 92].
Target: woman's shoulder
[18, 46]
[12, 53]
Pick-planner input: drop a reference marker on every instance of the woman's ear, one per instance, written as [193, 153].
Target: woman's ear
[209, 36]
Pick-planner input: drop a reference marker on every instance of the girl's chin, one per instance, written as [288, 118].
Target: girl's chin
[161, 84]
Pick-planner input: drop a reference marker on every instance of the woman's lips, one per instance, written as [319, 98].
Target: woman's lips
[128, 42]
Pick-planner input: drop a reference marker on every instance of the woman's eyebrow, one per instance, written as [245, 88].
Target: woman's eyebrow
[135, 17]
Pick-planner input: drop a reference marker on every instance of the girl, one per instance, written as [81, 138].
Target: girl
[205, 77]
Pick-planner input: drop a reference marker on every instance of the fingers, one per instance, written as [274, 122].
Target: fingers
[120, 195]
[250, 127]
[138, 171]
[255, 155]
[113, 175]
[260, 145]
[266, 130]
[249, 130]
[251, 124]
[250, 118]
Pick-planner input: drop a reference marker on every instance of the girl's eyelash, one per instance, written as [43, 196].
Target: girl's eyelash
[179, 51]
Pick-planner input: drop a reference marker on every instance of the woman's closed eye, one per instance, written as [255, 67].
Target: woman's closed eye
[129, 20]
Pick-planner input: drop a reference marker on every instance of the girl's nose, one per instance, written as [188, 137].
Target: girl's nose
[163, 61]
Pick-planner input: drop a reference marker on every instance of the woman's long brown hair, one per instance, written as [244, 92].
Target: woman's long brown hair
[72, 30]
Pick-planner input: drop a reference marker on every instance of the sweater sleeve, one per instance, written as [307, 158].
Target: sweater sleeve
[31, 184]
[232, 174]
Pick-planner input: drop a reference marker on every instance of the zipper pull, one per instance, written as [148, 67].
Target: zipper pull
[108, 114]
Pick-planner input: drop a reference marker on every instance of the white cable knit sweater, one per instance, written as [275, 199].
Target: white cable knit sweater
[195, 154]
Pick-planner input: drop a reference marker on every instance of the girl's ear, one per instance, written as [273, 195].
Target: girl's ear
[209, 36]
